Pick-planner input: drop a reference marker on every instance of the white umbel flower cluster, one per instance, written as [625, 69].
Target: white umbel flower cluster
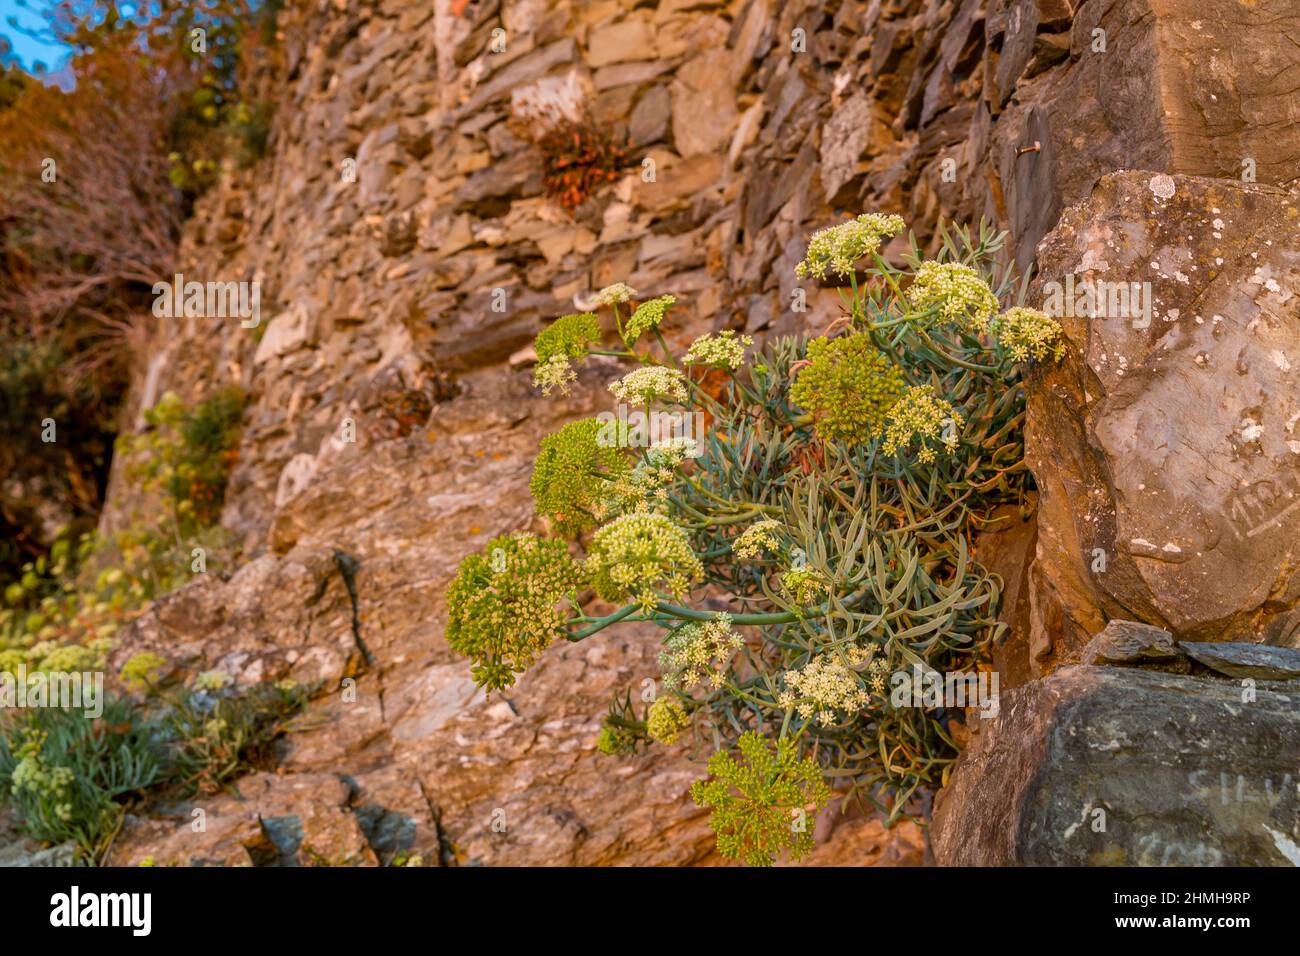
[823, 687]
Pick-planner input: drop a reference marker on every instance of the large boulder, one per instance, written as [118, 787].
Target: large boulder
[1200, 87]
[1166, 444]
[1109, 766]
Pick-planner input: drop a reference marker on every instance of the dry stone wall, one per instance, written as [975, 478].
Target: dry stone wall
[760, 122]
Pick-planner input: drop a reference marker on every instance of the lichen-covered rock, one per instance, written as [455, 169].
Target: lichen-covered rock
[17, 850]
[1246, 661]
[1131, 642]
[1197, 87]
[269, 820]
[1165, 444]
[1109, 766]
[275, 618]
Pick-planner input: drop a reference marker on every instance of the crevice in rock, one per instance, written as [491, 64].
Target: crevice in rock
[348, 567]
[446, 851]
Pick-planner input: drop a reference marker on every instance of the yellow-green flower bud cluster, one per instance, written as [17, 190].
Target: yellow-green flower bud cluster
[569, 476]
[1024, 332]
[650, 383]
[849, 388]
[764, 804]
[503, 605]
[921, 415]
[637, 555]
[71, 658]
[142, 670]
[647, 316]
[613, 741]
[564, 341]
[569, 335]
[836, 249]
[697, 652]
[725, 350]
[757, 538]
[665, 721]
[957, 294]
[805, 585]
[212, 680]
[33, 777]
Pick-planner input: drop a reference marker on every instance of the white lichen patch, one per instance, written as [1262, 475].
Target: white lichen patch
[1093, 261]
[1162, 186]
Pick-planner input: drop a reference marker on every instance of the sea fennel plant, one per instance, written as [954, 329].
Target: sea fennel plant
[835, 500]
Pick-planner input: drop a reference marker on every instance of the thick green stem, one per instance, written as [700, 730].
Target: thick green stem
[659, 336]
[603, 622]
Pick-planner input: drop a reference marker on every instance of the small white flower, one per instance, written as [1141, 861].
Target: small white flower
[614, 294]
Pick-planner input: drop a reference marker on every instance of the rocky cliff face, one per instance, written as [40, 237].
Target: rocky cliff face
[403, 242]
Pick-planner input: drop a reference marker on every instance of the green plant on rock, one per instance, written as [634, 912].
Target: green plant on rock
[572, 469]
[65, 610]
[186, 454]
[68, 777]
[220, 731]
[142, 671]
[764, 804]
[834, 504]
[505, 606]
[66, 607]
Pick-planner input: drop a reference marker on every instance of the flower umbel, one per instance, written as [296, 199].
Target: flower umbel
[647, 316]
[922, 415]
[849, 387]
[614, 294]
[555, 372]
[757, 538]
[572, 470]
[644, 385]
[763, 804]
[213, 680]
[836, 249]
[564, 341]
[142, 670]
[638, 554]
[805, 585]
[698, 651]
[503, 605]
[640, 490]
[956, 292]
[665, 720]
[569, 335]
[1024, 332]
[725, 350]
[31, 774]
[823, 686]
